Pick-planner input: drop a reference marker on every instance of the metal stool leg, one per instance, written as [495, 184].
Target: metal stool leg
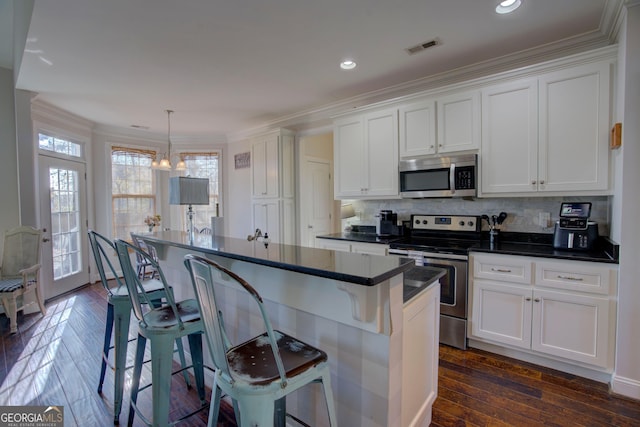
[108, 329]
[161, 366]
[195, 345]
[122, 319]
[135, 379]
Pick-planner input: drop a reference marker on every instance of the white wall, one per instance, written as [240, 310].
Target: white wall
[626, 379]
[238, 220]
[10, 212]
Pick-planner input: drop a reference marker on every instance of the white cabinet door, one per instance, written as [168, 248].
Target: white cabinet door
[502, 313]
[574, 129]
[458, 122]
[334, 245]
[571, 326]
[287, 169]
[288, 226]
[366, 156]
[266, 217]
[509, 153]
[348, 149]
[369, 248]
[418, 129]
[264, 168]
[381, 153]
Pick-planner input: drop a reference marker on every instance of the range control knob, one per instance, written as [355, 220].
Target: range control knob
[417, 222]
[461, 223]
[470, 224]
[424, 221]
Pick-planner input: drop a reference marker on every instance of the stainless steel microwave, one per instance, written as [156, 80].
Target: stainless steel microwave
[454, 176]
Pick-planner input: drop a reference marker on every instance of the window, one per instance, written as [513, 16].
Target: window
[204, 165]
[132, 190]
[60, 146]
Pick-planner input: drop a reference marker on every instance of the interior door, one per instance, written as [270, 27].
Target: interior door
[63, 217]
[317, 201]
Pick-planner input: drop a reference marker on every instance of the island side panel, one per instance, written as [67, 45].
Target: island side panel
[365, 356]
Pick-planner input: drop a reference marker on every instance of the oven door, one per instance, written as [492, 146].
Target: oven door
[453, 286]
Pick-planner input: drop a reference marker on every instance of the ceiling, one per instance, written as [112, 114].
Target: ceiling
[227, 67]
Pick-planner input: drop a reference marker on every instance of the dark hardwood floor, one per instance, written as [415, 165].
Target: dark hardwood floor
[55, 361]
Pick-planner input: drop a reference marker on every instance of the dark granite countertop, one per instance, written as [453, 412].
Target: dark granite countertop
[419, 278]
[510, 243]
[364, 237]
[363, 234]
[541, 245]
[367, 270]
[545, 251]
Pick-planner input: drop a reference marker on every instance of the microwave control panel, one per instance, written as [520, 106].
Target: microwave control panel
[465, 178]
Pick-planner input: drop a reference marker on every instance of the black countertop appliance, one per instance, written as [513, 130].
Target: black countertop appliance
[386, 223]
[574, 231]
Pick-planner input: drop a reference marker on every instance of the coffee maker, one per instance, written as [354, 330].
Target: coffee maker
[386, 223]
[574, 231]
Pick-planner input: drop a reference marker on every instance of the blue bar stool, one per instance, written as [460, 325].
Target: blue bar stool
[119, 318]
[259, 373]
[162, 326]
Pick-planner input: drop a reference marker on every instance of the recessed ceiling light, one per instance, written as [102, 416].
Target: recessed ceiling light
[507, 6]
[348, 64]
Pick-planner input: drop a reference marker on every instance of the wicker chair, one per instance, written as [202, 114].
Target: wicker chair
[19, 272]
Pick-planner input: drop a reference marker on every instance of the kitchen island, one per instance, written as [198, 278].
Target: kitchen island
[383, 351]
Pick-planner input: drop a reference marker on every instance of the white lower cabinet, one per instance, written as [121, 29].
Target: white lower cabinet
[544, 309]
[369, 248]
[334, 245]
[275, 217]
[352, 246]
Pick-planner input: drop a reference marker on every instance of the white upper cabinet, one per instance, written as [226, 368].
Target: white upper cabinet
[548, 134]
[272, 166]
[264, 167]
[574, 129]
[509, 153]
[440, 125]
[418, 129]
[366, 155]
[458, 122]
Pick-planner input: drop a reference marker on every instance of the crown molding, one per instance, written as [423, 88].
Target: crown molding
[308, 119]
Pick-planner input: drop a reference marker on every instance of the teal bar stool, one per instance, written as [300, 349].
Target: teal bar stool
[119, 317]
[259, 373]
[162, 326]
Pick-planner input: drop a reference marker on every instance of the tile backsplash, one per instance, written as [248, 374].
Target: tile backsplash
[523, 212]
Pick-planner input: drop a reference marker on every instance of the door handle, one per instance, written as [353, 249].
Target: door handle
[309, 226]
[46, 240]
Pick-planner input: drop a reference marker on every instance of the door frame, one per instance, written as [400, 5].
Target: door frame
[49, 288]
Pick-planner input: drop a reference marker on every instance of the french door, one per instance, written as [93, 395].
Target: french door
[63, 217]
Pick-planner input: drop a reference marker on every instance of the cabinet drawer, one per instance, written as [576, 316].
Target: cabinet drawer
[577, 276]
[504, 268]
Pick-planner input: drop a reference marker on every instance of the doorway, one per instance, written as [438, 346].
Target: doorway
[317, 200]
[63, 218]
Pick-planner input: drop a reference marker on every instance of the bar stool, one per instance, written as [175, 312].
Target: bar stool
[255, 378]
[119, 318]
[162, 326]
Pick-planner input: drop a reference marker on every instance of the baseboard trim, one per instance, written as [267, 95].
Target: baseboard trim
[592, 374]
[626, 387]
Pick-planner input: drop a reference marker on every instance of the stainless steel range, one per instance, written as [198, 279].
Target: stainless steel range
[443, 241]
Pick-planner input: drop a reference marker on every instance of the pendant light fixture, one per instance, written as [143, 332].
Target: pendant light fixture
[165, 161]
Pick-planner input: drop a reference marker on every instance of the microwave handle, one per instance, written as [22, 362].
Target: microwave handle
[452, 178]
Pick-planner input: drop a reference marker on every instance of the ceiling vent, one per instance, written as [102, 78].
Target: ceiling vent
[422, 46]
